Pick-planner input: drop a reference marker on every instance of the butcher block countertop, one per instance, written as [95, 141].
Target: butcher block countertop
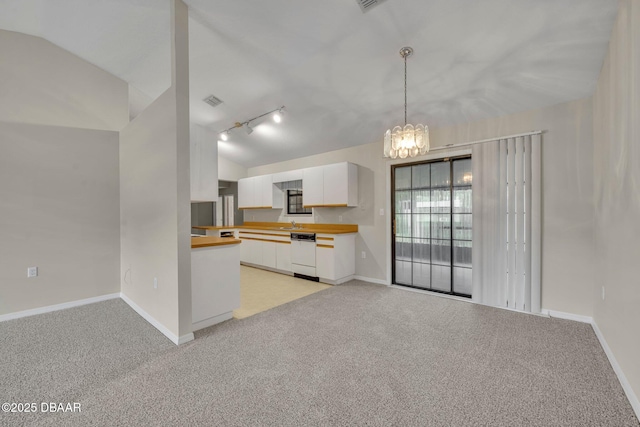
[278, 226]
[214, 227]
[206, 241]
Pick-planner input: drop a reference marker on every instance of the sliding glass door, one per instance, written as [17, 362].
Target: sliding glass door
[432, 225]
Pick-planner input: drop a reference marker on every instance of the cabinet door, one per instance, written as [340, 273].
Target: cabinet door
[256, 252]
[283, 256]
[268, 254]
[313, 186]
[246, 193]
[252, 252]
[264, 191]
[245, 251]
[336, 184]
[325, 263]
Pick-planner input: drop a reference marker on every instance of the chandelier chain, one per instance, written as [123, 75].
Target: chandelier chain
[405, 90]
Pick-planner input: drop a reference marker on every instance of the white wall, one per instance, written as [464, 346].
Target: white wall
[229, 170]
[59, 211]
[204, 164]
[59, 195]
[617, 194]
[567, 276]
[155, 198]
[44, 84]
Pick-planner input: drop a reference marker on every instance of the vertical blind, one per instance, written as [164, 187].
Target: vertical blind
[506, 223]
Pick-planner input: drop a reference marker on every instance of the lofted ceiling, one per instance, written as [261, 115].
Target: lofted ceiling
[335, 68]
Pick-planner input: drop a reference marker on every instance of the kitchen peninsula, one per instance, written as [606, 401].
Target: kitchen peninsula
[215, 279]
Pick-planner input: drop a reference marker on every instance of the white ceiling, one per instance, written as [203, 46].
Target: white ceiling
[336, 69]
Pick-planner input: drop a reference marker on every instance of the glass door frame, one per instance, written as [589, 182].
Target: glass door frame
[449, 159]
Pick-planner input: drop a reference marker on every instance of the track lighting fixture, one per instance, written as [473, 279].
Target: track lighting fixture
[277, 116]
[246, 125]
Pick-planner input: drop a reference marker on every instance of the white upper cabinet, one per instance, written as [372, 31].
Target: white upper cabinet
[245, 193]
[264, 190]
[258, 192]
[313, 186]
[293, 175]
[334, 185]
[340, 184]
[203, 146]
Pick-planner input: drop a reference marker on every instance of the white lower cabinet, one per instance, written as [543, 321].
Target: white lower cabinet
[251, 251]
[215, 284]
[266, 248]
[268, 254]
[325, 263]
[335, 254]
[283, 256]
[335, 257]
[244, 251]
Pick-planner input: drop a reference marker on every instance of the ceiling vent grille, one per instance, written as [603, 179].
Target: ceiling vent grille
[366, 5]
[213, 101]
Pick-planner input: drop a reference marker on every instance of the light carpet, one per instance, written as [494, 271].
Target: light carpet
[355, 354]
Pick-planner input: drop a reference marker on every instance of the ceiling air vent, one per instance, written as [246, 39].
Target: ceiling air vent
[366, 5]
[213, 101]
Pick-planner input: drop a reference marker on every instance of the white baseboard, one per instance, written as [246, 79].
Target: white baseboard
[212, 321]
[335, 282]
[567, 316]
[343, 280]
[434, 294]
[633, 399]
[185, 338]
[159, 326]
[371, 280]
[56, 307]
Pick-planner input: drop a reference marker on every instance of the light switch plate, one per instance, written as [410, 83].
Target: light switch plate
[381, 212]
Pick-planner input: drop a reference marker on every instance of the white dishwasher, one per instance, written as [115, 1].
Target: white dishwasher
[303, 256]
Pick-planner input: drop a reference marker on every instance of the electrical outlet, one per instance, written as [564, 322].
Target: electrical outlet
[603, 293]
[155, 283]
[364, 254]
[32, 272]
[339, 218]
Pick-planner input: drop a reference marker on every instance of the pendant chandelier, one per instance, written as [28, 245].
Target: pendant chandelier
[408, 140]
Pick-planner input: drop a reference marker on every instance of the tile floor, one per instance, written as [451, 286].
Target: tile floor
[261, 290]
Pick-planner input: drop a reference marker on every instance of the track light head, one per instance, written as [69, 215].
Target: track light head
[247, 128]
[224, 136]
